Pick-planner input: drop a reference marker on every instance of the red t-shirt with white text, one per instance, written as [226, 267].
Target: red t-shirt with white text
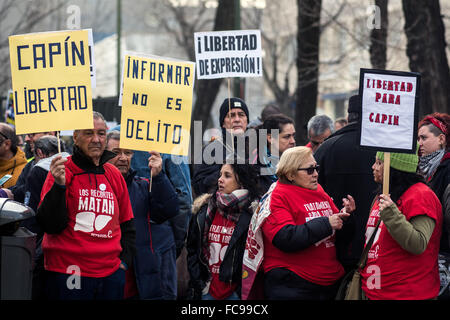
[218, 238]
[96, 206]
[293, 205]
[392, 273]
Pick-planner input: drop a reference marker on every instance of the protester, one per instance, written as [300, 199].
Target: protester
[170, 236]
[434, 151]
[147, 277]
[276, 145]
[339, 123]
[233, 119]
[345, 169]
[299, 253]
[319, 128]
[434, 164]
[46, 149]
[19, 188]
[12, 158]
[31, 138]
[87, 218]
[218, 232]
[402, 261]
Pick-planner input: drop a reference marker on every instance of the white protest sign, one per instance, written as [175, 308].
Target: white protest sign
[389, 110]
[226, 54]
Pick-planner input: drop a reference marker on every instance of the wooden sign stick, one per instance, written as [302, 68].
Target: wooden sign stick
[387, 165]
[229, 114]
[59, 142]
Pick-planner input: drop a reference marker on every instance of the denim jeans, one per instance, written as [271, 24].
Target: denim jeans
[107, 288]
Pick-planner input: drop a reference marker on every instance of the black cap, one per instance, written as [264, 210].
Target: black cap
[234, 103]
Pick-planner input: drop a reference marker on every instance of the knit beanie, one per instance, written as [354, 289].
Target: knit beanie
[234, 103]
[406, 162]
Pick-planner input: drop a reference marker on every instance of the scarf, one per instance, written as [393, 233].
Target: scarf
[254, 248]
[429, 163]
[229, 206]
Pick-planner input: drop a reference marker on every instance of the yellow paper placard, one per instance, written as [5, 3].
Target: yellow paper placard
[156, 104]
[51, 81]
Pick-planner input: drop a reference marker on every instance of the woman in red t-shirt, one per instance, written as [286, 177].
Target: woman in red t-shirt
[299, 253]
[218, 232]
[402, 263]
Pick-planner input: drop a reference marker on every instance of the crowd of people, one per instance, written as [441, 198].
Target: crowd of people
[139, 225]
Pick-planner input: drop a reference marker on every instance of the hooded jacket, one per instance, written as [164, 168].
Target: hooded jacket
[151, 209]
[231, 266]
[14, 167]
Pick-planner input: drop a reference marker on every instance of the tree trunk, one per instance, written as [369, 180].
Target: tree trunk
[308, 37]
[425, 31]
[378, 37]
[206, 90]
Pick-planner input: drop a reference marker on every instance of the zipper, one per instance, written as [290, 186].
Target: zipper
[201, 250]
[232, 265]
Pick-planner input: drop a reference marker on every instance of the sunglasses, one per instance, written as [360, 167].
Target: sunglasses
[310, 170]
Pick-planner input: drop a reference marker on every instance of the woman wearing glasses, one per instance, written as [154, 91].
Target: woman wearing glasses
[299, 253]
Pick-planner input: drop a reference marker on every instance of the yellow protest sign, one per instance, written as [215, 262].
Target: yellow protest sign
[156, 104]
[51, 81]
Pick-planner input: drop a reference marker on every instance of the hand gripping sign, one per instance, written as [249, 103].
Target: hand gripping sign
[156, 104]
[51, 81]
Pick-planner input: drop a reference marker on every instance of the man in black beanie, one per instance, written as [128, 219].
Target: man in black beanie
[234, 115]
[233, 119]
[345, 169]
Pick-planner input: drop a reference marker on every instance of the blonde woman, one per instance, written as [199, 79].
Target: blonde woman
[299, 253]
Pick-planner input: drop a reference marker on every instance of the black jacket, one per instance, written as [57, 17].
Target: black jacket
[206, 171]
[438, 184]
[345, 169]
[231, 266]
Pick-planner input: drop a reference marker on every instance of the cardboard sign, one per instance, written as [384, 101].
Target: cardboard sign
[226, 54]
[390, 101]
[51, 81]
[156, 104]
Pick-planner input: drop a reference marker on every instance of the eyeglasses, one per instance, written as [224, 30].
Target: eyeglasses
[310, 170]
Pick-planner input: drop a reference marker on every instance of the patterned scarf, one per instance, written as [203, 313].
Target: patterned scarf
[429, 163]
[229, 206]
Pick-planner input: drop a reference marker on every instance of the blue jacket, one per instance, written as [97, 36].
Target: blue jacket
[177, 170]
[150, 209]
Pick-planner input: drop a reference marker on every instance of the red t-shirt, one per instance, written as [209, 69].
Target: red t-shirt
[96, 206]
[218, 238]
[293, 205]
[392, 273]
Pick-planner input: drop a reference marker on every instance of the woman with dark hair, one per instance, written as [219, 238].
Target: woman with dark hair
[218, 232]
[402, 261]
